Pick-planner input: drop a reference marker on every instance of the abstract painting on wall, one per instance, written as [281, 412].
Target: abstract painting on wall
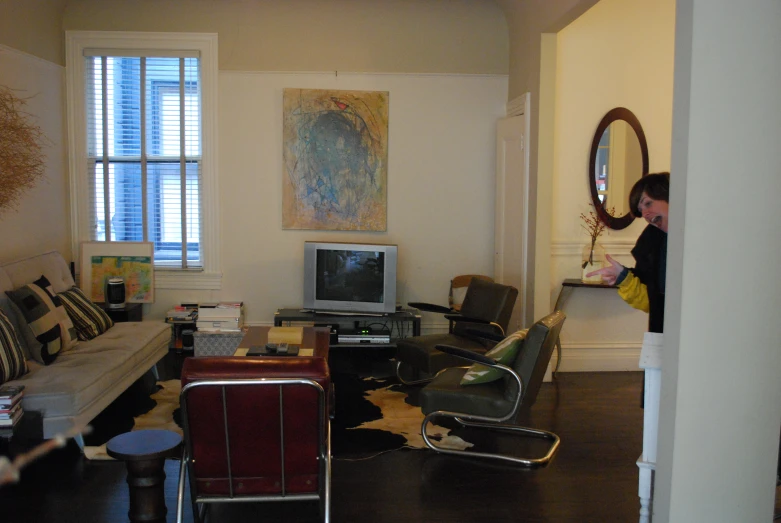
[335, 154]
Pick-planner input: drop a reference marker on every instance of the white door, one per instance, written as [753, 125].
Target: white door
[512, 197]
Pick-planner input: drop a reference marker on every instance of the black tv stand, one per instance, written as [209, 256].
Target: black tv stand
[346, 313]
[401, 320]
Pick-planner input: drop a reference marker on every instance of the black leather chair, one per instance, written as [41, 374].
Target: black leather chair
[494, 405]
[482, 319]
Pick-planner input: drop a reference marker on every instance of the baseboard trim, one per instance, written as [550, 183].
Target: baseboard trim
[607, 357]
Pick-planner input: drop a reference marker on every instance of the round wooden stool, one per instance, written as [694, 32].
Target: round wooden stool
[144, 452]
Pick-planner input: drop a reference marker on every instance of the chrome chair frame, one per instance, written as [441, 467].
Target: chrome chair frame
[472, 420]
[200, 503]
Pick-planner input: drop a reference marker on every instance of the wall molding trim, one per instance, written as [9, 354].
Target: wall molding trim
[31, 57]
[518, 106]
[574, 247]
[366, 73]
[599, 357]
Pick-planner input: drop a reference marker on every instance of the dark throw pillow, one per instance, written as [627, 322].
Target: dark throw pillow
[46, 319]
[89, 319]
[12, 362]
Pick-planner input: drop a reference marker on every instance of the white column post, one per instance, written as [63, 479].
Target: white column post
[651, 361]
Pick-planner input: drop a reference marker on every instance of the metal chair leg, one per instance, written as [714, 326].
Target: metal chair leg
[489, 423]
[410, 382]
[180, 489]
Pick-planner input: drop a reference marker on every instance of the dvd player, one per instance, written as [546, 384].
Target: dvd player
[364, 336]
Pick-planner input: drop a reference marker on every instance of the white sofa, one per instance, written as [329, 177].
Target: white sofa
[84, 380]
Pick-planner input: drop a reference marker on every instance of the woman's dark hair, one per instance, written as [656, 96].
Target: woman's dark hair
[655, 185]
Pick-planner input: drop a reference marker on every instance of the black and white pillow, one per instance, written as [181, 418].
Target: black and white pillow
[12, 362]
[47, 321]
[89, 319]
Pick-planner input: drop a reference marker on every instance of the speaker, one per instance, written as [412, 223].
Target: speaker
[188, 340]
[115, 293]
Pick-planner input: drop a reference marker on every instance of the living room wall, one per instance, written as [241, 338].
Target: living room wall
[41, 220]
[443, 64]
[617, 54]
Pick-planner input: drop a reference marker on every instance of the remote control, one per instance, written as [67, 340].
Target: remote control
[271, 347]
[282, 348]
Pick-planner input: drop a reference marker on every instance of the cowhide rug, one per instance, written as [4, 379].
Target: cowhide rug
[372, 416]
[161, 416]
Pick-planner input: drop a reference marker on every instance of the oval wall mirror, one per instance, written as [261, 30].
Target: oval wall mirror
[619, 157]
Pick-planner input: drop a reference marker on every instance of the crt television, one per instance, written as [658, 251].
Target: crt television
[350, 277]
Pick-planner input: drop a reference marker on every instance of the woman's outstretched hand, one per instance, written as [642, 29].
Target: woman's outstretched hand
[609, 274]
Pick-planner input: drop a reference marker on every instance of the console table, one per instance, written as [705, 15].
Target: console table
[569, 285]
[400, 320]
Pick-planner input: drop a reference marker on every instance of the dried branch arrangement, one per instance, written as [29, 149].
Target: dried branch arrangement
[22, 160]
[10, 470]
[594, 226]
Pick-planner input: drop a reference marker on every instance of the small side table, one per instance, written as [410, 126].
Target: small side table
[144, 452]
[570, 284]
[130, 312]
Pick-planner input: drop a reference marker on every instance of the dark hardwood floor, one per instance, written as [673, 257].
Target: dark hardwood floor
[593, 478]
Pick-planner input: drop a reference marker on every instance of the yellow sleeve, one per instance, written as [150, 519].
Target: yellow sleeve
[634, 292]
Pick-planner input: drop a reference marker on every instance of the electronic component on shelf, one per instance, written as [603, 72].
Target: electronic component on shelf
[364, 335]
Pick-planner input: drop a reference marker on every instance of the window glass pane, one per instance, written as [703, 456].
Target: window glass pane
[146, 135]
[126, 202]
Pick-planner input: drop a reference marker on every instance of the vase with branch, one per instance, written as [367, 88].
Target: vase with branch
[593, 254]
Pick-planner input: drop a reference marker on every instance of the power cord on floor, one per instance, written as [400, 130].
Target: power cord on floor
[378, 454]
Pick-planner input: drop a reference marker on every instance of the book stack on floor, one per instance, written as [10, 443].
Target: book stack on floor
[10, 406]
[220, 317]
[181, 314]
[219, 328]
[182, 319]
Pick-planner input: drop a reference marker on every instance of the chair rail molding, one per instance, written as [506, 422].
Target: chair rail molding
[574, 247]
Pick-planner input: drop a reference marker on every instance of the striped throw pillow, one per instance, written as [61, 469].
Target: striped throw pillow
[89, 319]
[47, 321]
[12, 362]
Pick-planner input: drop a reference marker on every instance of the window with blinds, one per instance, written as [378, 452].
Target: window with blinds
[144, 172]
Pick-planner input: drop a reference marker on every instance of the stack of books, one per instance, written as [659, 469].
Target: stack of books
[10, 405]
[225, 316]
[181, 314]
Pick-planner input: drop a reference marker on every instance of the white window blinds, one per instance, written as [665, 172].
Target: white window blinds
[143, 117]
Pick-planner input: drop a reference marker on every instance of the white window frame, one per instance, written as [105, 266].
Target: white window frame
[210, 277]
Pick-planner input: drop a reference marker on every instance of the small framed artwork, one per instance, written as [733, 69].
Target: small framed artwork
[133, 261]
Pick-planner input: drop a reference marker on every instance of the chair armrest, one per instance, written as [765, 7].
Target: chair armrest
[466, 354]
[485, 360]
[430, 307]
[467, 319]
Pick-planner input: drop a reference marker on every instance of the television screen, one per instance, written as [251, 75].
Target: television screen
[350, 276]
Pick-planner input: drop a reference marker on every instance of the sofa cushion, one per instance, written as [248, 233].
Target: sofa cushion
[82, 377]
[89, 319]
[47, 321]
[12, 362]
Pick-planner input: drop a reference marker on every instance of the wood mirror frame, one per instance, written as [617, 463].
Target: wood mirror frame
[619, 113]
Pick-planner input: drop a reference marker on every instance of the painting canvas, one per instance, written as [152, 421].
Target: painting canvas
[335, 152]
[132, 261]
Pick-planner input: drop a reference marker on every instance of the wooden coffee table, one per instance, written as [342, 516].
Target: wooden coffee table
[317, 338]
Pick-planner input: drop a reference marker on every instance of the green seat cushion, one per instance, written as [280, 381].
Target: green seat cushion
[446, 393]
[505, 353]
